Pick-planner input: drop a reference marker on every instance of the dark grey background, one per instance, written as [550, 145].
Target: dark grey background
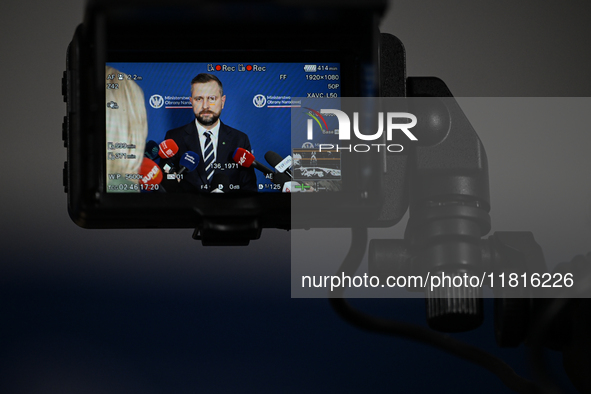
[154, 311]
[537, 158]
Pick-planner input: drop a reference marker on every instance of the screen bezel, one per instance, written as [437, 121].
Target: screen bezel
[275, 203]
[102, 40]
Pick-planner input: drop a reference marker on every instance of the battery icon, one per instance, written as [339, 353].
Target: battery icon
[310, 68]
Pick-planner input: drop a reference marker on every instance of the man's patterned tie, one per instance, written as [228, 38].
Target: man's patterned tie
[208, 156]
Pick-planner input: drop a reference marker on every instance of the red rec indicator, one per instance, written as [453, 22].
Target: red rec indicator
[249, 68]
[218, 67]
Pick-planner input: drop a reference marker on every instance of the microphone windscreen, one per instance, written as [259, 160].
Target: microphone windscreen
[189, 160]
[168, 148]
[243, 157]
[150, 172]
[279, 163]
[151, 151]
[273, 158]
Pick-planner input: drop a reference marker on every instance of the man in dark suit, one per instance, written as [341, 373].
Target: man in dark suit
[212, 140]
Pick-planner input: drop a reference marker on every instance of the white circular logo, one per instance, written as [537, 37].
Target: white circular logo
[156, 101]
[259, 101]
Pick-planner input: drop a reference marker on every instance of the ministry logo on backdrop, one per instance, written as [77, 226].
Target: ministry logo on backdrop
[259, 101]
[156, 101]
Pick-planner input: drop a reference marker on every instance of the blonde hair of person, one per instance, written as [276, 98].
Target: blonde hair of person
[126, 124]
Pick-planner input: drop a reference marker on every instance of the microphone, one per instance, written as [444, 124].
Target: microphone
[167, 149]
[151, 151]
[246, 159]
[219, 182]
[282, 165]
[150, 172]
[188, 162]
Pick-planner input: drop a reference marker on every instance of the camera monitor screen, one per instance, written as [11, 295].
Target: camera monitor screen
[216, 127]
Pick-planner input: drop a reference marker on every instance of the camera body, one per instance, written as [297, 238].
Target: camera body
[238, 43]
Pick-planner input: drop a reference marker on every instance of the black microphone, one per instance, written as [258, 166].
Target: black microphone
[151, 150]
[279, 163]
[167, 149]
